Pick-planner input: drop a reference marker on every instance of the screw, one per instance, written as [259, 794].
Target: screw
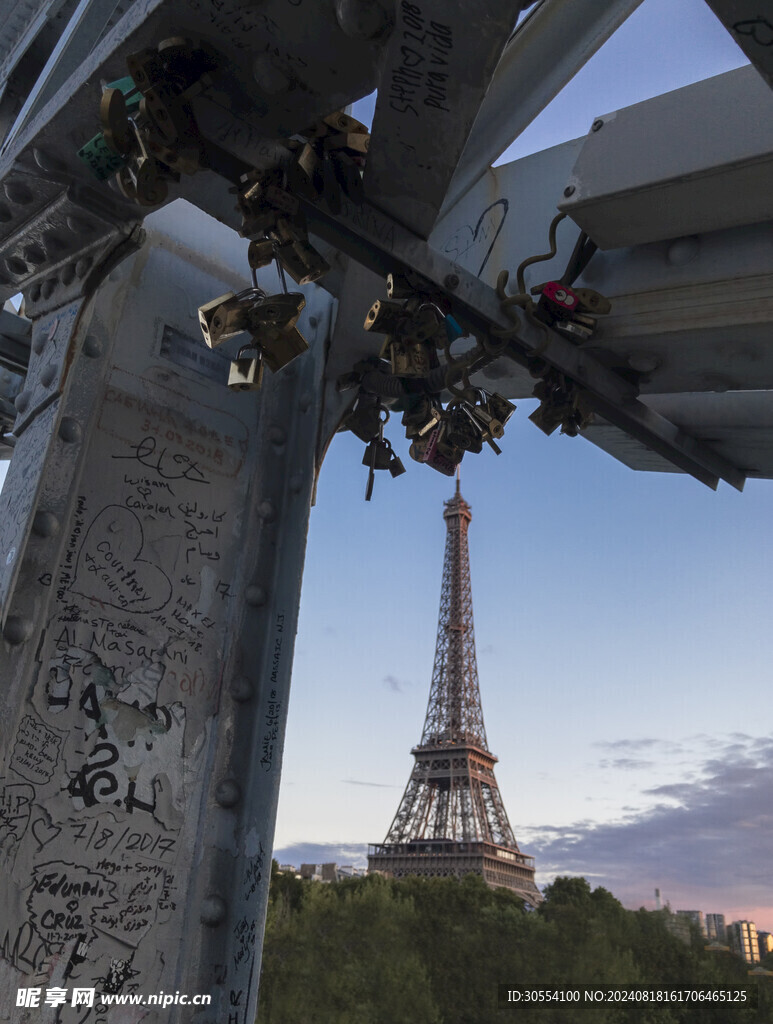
[451, 282]
[569, 190]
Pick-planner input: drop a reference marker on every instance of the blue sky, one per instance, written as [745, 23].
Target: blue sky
[622, 620]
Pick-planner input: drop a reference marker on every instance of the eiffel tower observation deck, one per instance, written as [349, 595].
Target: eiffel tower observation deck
[451, 820]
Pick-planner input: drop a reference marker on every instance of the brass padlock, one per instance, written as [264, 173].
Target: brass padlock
[114, 118]
[280, 310]
[261, 253]
[463, 430]
[410, 358]
[378, 454]
[279, 346]
[224, 317]
[385, 317]
[246, 373]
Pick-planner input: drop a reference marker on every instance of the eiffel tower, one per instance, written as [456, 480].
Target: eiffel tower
[451, 820]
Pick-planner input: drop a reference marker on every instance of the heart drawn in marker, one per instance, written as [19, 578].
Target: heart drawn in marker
[760, 29]
[43, 832]
[110, 568]
[469, 246]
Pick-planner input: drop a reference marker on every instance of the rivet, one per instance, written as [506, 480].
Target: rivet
[569, 191]
[67, 274]
[18, 193]
[255, 596]
[304, 403]
[47, 162]
[48, 376]
[34, 292]
[360, 19]
[276, 434]
[82, 266]
[228, 793]
[643, 362]
[313, 321]
[35, 255]
[266, 510]
[92, 347]
[598, 123]
[39, 342]
[296, 483]
[70, 430]
[683, 251]
[271, 79]
[55, 242]
[45, 524]
[16, 266]
[451, 282]
[213, 910]
[17, 629]
[78, 225]
[48, 287]
[22, 400]
[241, 689]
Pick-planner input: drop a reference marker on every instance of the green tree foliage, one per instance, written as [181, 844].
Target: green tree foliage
[436, 951]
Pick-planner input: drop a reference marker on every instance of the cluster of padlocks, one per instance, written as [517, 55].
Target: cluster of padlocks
[414, 368]
[149, 138]
[149, 135]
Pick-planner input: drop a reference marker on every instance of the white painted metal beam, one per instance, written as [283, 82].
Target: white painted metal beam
[551, 45]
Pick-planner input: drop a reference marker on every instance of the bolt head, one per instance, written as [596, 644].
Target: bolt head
[213, 910]
[18, 629]
[228, 793]
[70, 430]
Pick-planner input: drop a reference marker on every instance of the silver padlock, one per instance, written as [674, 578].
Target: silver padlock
[246, 372]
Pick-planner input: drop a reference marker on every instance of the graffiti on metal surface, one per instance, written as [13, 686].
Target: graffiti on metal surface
[470, 246]
[36, 752]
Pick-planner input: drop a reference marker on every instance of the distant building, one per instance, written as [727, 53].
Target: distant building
[694, 917]
[678, 925]
[348, 871]
[715, 927]
[330, 872]
[319, 872]
[742, 936]
[765, 942]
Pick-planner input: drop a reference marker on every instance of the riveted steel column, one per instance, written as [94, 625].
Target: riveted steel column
[158, 525]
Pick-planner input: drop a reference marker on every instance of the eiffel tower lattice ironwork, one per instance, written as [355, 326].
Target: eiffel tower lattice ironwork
[451, 820]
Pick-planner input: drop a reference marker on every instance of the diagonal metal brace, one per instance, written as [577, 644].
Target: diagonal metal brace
[382, 245]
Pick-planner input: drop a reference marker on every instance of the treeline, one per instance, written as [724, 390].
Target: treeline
[415, 951]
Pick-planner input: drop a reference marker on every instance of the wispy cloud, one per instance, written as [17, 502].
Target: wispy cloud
[639, 746]
[394, 684]
[625, 764]
[323, 853]
[359, 782]
[710, 836]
